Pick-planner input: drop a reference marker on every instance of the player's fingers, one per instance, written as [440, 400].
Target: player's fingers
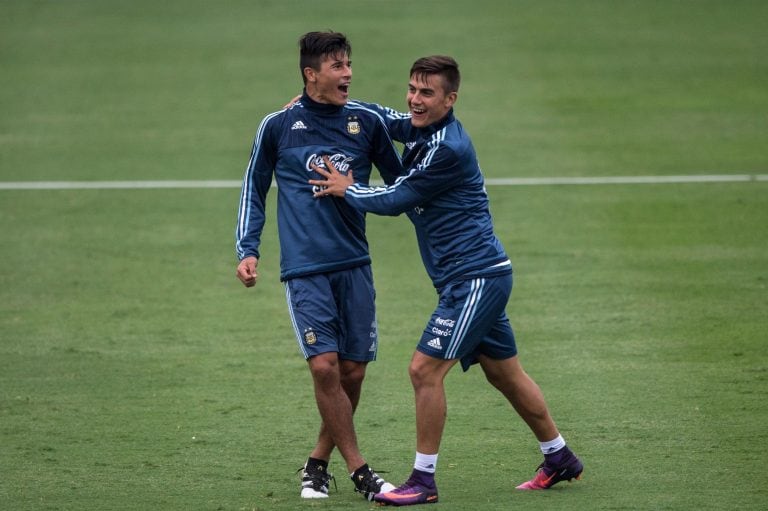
[321, 171]
[329, 165]
[246, 268]
[248, 280]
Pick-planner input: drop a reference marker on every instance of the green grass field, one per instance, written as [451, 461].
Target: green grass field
[137, 373]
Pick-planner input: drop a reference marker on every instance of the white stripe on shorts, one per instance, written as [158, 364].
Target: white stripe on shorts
[293, 320]
[465, 318]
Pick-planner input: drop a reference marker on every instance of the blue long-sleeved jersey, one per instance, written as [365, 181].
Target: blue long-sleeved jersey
[443, 194]
[315, 235]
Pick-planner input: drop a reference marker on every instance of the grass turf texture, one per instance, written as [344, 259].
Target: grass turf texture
[136, 372]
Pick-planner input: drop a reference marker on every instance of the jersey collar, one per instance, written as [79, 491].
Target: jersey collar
[319, 108]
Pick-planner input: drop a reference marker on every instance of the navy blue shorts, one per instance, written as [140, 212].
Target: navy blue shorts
[470, 319]
[335, 312]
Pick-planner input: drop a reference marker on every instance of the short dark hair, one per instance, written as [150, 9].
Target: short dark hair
[315, 46]
[441, 65]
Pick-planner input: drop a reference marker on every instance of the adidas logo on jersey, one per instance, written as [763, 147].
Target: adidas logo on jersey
[298, 125]
[435, 343]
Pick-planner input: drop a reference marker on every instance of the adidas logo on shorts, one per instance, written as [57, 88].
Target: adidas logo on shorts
[435, 343]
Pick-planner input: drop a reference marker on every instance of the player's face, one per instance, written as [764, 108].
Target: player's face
[330, 84]
[427, 100]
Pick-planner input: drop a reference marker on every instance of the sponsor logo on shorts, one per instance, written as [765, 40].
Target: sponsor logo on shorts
[435, 343]
[444, 328]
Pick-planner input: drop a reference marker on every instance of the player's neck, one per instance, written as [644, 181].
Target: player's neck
[318, 104]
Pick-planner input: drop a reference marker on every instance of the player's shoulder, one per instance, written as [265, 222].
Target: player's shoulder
[453, 136]
[280, 118]
[366, 110]
[450, 146]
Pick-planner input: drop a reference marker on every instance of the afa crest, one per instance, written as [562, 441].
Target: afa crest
[309, 336]
[353, 126]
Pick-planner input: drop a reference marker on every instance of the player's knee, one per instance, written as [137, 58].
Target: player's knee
[324, 369]
[424, 375]
[415, 375]
[352, 374]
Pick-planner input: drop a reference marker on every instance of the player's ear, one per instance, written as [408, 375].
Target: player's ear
[310, 74]
[450, 99]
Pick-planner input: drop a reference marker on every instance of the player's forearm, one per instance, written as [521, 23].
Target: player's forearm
[382, 200]
[250, 224]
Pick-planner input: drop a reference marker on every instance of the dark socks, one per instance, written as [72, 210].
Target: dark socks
[321, 465]
[556, 458]
[359, 471]
[423, 478]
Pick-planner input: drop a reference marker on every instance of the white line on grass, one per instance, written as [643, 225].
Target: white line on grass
[512, 181]
[102, 185]
[607, 180]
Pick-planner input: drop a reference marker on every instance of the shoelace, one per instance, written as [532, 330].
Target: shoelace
[374, 476]
[330, 478]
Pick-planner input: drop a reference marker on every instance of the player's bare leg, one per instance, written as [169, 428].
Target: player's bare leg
[509, 377]
[315, 477]
[427, 377]
[352, 376]
[336, 410]
[560, 464]
[338, 385]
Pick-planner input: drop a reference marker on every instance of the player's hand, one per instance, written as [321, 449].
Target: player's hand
[292, 102]
[335, 182]
[246, 271]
